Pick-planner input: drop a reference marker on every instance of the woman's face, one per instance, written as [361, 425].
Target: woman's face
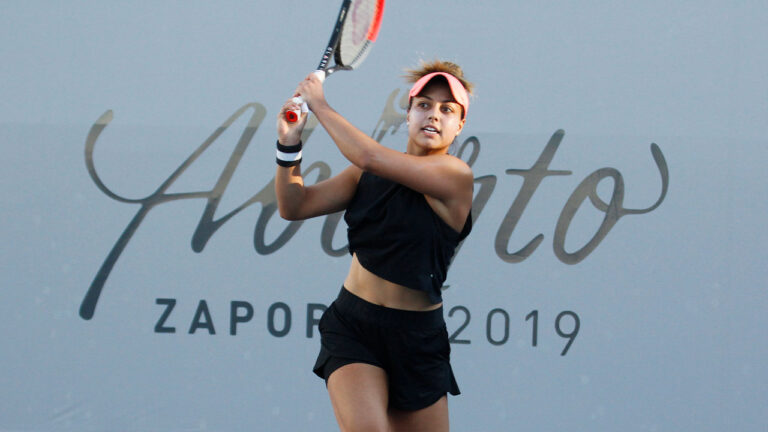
[434, 120]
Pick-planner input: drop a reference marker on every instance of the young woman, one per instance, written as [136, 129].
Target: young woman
[384, 351]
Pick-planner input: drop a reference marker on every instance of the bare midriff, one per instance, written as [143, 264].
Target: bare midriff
[376, 290]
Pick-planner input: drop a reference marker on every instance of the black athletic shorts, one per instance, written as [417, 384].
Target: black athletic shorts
[412, 347]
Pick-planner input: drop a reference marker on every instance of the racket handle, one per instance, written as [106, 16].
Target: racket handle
[294, 115]
[320, 74]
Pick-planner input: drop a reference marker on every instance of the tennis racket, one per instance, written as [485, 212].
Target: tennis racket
[356, 29]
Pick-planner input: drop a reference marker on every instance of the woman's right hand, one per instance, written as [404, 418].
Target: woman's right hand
[290, 133]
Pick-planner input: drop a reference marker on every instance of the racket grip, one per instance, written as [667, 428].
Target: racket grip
[294, 115]
[320, 74]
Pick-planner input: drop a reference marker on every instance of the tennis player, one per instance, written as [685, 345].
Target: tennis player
[384, 353]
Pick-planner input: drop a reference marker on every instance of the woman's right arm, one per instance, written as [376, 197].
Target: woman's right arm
[296, 201]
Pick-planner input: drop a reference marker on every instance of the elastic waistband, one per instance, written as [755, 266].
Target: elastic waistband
[364, 310]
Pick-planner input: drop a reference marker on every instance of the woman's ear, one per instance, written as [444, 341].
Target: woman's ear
[461, 126]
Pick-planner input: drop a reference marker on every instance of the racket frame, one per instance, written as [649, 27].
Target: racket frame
[331, 50]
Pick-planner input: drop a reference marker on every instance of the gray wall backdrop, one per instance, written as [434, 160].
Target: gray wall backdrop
[628, 137]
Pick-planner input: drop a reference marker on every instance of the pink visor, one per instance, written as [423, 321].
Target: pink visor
[457, 89]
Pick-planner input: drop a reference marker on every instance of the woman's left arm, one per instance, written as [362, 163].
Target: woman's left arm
[443, 177]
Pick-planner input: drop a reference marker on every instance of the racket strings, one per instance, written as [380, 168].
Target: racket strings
[359, 31]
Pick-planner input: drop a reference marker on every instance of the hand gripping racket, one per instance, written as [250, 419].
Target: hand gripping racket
[353, 35]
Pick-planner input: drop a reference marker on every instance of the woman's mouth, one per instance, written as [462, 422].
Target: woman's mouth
[430, 130]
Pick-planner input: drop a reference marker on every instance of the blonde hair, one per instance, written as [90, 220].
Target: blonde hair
[427, 67]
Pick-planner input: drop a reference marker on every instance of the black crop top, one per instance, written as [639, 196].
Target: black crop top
[398, 237]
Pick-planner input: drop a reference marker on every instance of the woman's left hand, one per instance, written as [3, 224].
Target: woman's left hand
[311, 90]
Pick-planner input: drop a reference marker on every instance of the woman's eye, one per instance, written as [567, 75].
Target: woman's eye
[447, 108]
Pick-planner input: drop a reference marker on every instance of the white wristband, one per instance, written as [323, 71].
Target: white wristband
[288, 157]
